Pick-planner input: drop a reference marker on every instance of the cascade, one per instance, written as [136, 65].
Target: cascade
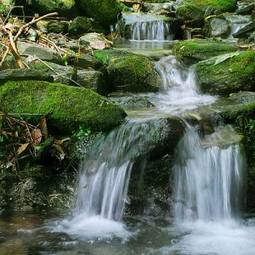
[208, 180]
[179, 90]
[144, 27]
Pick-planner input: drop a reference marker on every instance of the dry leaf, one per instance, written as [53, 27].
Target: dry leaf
[22, 148]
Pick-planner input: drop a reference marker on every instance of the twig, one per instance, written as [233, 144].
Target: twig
[32, 22]
[12, 8]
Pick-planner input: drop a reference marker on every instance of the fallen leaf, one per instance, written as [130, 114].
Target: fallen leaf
[22, 148]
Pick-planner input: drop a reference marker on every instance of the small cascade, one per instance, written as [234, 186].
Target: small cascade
[179, 87]
[145, 27]
[208, 180]
[151, 30]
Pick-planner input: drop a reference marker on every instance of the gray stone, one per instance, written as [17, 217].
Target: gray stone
[248, 28]
[38, 51]
[95, 41]
[217, 27]
[89, 78]
[23, 74]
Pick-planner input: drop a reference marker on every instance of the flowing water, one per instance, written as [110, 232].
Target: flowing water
[209, 188]
[145, 27]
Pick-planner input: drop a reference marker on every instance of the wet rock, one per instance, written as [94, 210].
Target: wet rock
[95, 41]
[250, 27]
[23, 74]
[192, 51]
[237, 22]
[227, 73]
[217, 27]
[132, 102]
[66, 107]
[104, 11]
[245, 7]
[149, 186]
[129, 72]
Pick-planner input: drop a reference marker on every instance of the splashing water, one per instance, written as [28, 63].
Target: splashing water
[209, 181]
[179, 88]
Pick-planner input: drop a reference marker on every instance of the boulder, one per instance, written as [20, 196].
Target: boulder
[58, 73]
[23, 74]
[90, 78]
[103, 11]
[129, 72]
[80, 25]
[217, 27]
[156, 142]
[227, 73]
[37, 51]
[67, 108]
[192, 51]
[195, 10]
[247, 29]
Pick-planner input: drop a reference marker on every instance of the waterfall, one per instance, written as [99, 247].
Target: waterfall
[179, 87]
[208, 180]
[145, 27]
[152, 30]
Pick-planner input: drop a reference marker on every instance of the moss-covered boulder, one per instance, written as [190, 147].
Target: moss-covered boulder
[195, 10]
[129, 72]
[67, 108]
[80, 25]
[46, 6]
[103, 11]
[192, 51]
[227, 73]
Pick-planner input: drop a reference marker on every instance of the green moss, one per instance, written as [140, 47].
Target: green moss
[66, 107]
[191, 51]
[80, 25]
[194, 10]
[128, 71]
[103, 11]
[45, 6]
[227, 73]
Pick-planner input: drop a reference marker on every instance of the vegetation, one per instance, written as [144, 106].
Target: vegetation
[192, 51]
[128, 71]
[227, 73]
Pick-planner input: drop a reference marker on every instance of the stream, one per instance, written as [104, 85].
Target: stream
[208, 194]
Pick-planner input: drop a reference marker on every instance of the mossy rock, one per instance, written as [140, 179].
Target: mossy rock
[46, 6]
[80, 25]
[129, 72]
[192, 51]
[195, 10]
[227, 73]
[67, 108]
[103, 11]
